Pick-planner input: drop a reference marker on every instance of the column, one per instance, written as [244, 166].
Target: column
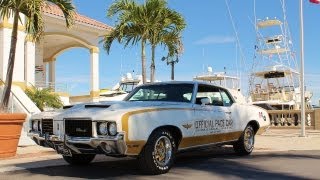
[94, 73]
[5, 42]
[40, 76]
[30, 62]
[52, 73]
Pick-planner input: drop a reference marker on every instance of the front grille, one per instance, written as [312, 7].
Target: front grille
[78, 128]
[47, 126]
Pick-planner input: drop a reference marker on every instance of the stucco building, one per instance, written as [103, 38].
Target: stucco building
[35, 62]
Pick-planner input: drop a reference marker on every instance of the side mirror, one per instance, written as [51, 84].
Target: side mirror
[205, 101]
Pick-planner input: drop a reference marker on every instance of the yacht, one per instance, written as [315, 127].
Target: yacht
[222, 79]
[274, 82]
[121, 89]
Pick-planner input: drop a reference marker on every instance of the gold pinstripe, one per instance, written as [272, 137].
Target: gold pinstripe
[135, 147]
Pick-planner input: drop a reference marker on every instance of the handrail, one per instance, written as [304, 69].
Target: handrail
[57, 87]
[17, 99]
[291, 117]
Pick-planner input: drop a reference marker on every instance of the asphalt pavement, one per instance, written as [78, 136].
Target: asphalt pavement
[282, 143]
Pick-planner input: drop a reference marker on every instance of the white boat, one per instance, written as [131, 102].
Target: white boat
[121, 89]
[232, 83]
[219, 79]
[274, 83]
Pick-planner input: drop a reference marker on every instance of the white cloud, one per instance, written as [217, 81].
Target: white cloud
[215, 40]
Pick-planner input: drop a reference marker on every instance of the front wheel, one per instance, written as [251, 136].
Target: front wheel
[79, 159]
[245, 144]
[157, 157]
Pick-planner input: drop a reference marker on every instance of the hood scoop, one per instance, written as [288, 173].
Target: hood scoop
[97, 106]
[67, 107]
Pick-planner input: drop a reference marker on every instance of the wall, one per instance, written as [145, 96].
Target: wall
[5, 41]
[40, 74]
[317, 119]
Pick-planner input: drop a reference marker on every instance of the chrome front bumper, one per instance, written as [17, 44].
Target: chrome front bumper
[109, 145]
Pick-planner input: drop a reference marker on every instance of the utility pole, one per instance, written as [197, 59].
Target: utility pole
[303, 119]
[171, 61]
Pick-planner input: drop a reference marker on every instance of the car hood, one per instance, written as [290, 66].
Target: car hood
[47, 114]
[111, 110]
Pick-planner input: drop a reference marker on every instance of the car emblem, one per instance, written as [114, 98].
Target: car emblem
[187, 126]
[81, 130]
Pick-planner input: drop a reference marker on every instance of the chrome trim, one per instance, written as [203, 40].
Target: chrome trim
[36, 137]
[109, 145]
[207, 145]
[94, 129]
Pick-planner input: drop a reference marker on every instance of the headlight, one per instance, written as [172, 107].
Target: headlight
[103, 128]
[112, 128]
[35, 125]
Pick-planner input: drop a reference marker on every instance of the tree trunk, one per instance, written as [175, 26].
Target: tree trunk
[12, 54]
[143, 61]
[172, 71]
[153, 66]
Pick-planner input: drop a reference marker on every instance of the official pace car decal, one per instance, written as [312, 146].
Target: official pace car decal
[213, 125]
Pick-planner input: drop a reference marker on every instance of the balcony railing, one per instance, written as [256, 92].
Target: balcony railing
[292, 118]
[57, 87]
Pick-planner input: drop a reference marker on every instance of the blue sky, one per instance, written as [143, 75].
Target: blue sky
[209, 40]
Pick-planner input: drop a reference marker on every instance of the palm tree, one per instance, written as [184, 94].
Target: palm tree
[166, 22]
[34, 25]
[147, 22]
[131, 28]
[44, 98]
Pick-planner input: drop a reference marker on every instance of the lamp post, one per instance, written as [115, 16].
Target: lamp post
[303, 131]
[171, 61]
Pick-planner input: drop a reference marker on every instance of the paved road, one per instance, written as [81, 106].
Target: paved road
[206, 164]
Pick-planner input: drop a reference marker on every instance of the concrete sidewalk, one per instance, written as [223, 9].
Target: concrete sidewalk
[273, 140]
[287, 139]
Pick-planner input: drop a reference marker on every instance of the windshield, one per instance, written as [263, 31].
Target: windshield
[162, 92]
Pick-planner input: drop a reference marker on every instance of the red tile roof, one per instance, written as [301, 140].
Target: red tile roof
[56, 11]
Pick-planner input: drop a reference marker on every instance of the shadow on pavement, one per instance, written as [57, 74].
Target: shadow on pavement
[220, 162]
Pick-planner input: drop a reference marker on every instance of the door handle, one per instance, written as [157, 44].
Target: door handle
[227, 112]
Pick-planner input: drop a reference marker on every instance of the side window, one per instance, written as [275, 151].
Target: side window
[210, 92]
[227, 101]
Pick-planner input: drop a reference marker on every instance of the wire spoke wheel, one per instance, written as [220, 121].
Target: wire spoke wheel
[163, 151]
[248, 139]
[245, 144]
[158, 155]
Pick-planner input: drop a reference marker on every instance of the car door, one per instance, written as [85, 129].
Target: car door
[209, 118]
[229, 123]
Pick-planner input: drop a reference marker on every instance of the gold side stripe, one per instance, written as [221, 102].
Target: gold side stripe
[135, 147]
[208, 139]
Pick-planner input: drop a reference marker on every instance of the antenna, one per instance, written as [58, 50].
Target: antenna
[255, 15]
[202, 52]
[203, 55]
[121, 65]
[237, 36]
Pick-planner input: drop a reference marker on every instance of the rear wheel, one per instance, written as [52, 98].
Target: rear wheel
[79, 159]
[245, 144]
[157, 157]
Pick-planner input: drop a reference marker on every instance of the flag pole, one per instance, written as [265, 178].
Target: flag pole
[303, 128]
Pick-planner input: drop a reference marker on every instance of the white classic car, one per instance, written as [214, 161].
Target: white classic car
[153, 123]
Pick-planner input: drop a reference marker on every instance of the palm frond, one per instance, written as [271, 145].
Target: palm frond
[6, 7]
[44, 98]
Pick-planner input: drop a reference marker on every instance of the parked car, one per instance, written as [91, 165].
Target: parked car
[153, 123]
